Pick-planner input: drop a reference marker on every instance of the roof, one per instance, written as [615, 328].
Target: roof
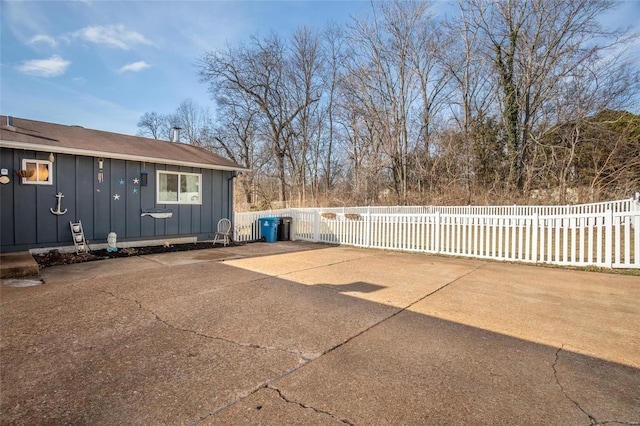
[76, 140]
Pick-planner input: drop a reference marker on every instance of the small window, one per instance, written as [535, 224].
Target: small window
[179, 188]
[40, 172]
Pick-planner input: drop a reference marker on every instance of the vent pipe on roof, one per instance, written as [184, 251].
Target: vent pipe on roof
[176, 134]
[10, 123]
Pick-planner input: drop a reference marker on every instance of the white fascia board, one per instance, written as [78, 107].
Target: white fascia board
[116, 156]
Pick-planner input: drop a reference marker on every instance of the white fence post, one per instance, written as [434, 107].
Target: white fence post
[635, 207]
[292, 229]
[534, 238]
[316, 226]
[608, 232]
[367, 229]
[437, 237]
[636, 239]
[234, 237]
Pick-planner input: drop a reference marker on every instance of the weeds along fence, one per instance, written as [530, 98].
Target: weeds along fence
[600, 234]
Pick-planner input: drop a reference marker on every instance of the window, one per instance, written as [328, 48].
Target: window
[40, 172]
[179, 188]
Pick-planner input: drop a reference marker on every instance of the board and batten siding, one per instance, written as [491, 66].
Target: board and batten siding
[26, 221]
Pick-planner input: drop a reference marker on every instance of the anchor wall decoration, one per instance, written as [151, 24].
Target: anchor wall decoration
[57, 211]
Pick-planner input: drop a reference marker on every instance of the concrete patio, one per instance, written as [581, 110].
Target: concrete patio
[300, 333]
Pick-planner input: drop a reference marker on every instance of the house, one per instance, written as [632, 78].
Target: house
[141, 189]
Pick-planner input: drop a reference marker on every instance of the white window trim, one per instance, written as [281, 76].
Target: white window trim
[49, 164]
[198, 175]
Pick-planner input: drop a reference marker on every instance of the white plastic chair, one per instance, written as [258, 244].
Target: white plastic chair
[223, 233]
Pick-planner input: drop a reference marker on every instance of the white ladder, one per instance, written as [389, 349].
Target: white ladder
[77, 234]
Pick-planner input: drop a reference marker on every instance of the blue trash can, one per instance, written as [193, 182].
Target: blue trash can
[269, 228]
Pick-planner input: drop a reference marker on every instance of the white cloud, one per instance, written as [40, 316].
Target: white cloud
[117, 36]
[135, 66]
[41, 38]
[52, 67]
[23, 20]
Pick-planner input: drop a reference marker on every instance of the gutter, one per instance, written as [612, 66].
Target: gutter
[116, 156]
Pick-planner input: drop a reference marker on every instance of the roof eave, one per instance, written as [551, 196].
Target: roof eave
[116, 156]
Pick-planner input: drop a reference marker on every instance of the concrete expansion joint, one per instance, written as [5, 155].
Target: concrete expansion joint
[398, 312]
[592, 420]
[152, 260]
[224, 407]
[318, 267]
[308, 407]
[303, 359]
[245, 394]
[445, 285]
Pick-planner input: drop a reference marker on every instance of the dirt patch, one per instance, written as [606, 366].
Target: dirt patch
[55, 257]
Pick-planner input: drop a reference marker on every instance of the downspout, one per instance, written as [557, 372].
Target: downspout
[234, 174]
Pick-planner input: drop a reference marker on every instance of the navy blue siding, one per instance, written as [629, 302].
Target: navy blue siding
[102, 201]
[7, 207]
[85, 203]
[26, 221]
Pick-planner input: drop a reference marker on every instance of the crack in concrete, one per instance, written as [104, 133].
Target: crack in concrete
[264, 385]
[401, 310]
[302, 357]
[267, 385]
[308, 407]
[305, 362]
[592, 419]
[225, 406]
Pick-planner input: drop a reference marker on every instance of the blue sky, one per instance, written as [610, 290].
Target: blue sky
[103, 64]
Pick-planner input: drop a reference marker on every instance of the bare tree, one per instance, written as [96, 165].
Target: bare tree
[195, 123]
[382, 70]
[305, 130]
[335, 55]
[236, 136]
[155, 125]
[534, 46]
[470, 101]
[431, 43]
[360, 140]
[262, 71]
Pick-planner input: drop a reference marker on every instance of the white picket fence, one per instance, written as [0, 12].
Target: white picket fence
[599, 234]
